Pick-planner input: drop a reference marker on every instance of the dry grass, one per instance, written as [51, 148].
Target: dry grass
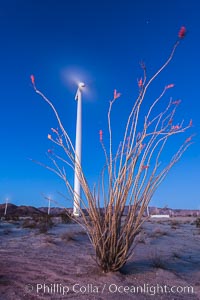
[50, 240]
[141, 238]
[197, 222]
[158, 232]
[157, 261]
[7, 231]
[69, 236]
[29, 223]
[176, 254]
[66, 218]
[43, 223]
[175, 224]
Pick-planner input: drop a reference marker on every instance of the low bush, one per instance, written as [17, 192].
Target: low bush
[68, 236]
[41, 222]
[197, 222]
[65, 218]
[11, 218]
[28, 223]
[157, 261]
[157, 232]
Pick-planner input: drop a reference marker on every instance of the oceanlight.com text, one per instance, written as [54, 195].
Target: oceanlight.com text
[148, 289]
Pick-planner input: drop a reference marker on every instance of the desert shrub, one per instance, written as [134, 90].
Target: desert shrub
[176, 255]
[197, 222]
[44, 223]
[175, 224]
[43, 218]
[157, 232]
[14, 218]
[157, 261]
[174, 227]
[43, 227]
[7, 231]
[50, 240]
[68, 236]
[141, 238]
[41, 222]
[28, 223]
[65, 218]
[132, 171]
[82, 232]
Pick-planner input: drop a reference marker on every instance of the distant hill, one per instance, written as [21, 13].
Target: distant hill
[24, 211]
[54, 210]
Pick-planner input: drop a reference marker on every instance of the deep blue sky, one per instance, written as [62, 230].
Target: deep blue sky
[101, 43]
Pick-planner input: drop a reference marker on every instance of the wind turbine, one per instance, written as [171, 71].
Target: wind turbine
[78, 150]
[6, 206]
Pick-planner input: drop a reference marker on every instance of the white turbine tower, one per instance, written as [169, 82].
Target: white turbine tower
[6, 206]
[49, 205]
[78, 147]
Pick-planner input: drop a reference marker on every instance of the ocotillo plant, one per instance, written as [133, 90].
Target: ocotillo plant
[130, 176]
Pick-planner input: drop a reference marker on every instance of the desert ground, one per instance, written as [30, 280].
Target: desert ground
[60, 263]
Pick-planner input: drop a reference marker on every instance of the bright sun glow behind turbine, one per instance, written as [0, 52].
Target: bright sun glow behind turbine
[73, 77]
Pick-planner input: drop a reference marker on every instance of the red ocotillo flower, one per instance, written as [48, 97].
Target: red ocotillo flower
[140, 83]
[188, 139]
[182, 32]
[116, 95]
[177, 102]
[49, 151]
[101, 135]
[190, 124]
[169, 86]
[170, 121]
[176, 127]
[145, 167]
[32, 79]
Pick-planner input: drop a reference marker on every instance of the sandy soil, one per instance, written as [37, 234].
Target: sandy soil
[60, 264]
